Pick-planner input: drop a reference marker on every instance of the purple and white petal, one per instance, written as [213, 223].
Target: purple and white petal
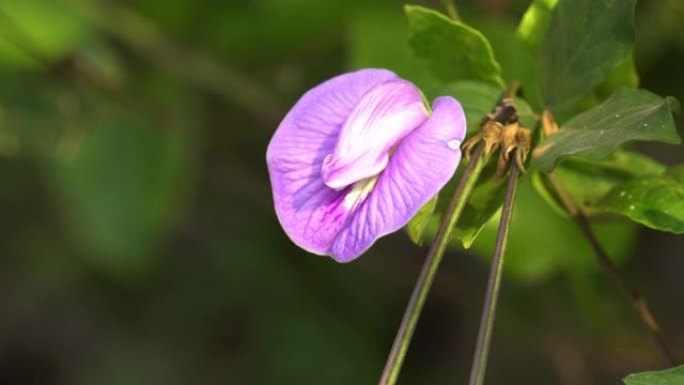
[311, 213]
[382, 118]
[422, 164]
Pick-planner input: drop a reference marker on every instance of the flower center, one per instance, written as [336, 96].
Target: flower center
[359, 192]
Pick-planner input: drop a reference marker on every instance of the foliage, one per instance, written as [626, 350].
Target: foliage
[535, 22]
[455, 51]
[565, 57]
[585, 41]
[673, 376]
[627, 115]
[656, 202]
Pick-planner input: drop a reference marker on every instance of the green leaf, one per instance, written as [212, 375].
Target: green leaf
[417, 224]
[542, 243]
[626, 116]
[590, 181]
[454, 50]
[479, 98]
[586, 181]
[535, 22]
[585, 41]
[485, 200]
[655, 202]
[623, 75]
[673, 376]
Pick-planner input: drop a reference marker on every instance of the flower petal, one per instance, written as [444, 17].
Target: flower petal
[423, 163]
[310, 212]
[382, 118]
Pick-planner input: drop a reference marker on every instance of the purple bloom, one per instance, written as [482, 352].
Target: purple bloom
[356, 157]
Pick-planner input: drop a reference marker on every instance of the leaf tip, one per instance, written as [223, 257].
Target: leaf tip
[674, 104]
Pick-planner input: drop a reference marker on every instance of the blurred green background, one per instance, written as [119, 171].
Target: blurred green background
[138, 244]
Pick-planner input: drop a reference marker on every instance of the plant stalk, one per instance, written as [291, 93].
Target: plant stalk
[427, 274]
[430, 266]
[637, 299]
[484, 337]
[451, 10]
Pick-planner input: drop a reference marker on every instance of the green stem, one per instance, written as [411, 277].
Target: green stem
[484, 337]
[451, 9]
[637, 299]
[427, 274]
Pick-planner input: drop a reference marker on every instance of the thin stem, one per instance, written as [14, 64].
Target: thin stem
[637, 299]
[451, 9]
[427, 274]
[484, 337]
[432, 261]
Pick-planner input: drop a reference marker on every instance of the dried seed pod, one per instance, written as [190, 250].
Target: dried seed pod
[523, 140]
[549, 125]
[508, 144]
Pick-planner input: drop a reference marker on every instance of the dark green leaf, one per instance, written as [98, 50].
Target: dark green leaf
[656, 202]
[535, 22]
[585, 41]
[454, 50]
[627, 115]
[673, 376]
[623, 75]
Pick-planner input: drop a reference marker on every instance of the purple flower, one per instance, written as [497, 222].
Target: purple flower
[356, 157]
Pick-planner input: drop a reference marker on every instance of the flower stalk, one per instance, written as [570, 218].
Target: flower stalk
[427, 274]
[483, 145]
[637, 299]
[451, 10]
[484, 337]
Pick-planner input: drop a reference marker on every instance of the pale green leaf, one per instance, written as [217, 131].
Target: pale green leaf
[535, 22]
[417, 224]
[656, 202]
[455, 51]
[673, 376]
